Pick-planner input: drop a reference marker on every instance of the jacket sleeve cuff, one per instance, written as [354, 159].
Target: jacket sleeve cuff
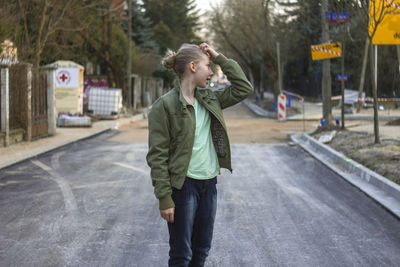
[220, 59]
[166, 202]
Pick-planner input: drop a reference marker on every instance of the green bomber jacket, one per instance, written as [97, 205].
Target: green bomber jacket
[172, 125]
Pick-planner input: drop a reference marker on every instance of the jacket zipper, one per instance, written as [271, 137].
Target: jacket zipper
[192, 142]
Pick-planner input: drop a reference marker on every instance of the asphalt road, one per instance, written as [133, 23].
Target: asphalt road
[91, 204]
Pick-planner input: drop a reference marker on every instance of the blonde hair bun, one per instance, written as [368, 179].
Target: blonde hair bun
[169, 59]
[179, 61]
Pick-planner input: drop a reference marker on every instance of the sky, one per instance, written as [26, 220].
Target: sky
[204, 5]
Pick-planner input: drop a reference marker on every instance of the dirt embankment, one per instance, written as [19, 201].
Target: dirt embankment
[382, 158]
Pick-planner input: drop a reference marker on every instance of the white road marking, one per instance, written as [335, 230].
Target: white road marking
[55, 160]
[123, 182]
[130, 167]
[41, 165]
[9, 182]
[68, 195]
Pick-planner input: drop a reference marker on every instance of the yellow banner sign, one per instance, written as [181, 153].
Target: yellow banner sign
[388, 29]
[325, 51]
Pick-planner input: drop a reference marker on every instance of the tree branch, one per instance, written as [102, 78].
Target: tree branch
[227, 39]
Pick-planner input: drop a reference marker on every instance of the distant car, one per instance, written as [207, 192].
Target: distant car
[368, 104]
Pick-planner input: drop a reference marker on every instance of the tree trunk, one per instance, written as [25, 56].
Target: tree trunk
[326, 70]
[278, 53]
[374, 93]
[273, 75]
[261, 83]
[128, 99]
[251, 77]
[362, 78]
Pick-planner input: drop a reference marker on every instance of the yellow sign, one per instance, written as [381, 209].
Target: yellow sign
[388, 29]
[325, 51]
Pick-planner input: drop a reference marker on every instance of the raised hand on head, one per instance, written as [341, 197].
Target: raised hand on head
[209, 51]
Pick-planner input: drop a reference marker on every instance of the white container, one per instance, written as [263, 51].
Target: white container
[69, 86]
[65, 120]
[105, 102]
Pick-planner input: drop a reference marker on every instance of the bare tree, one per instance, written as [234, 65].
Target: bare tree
[374, 12]
[245, 27]
[50, 18]
[362, 78]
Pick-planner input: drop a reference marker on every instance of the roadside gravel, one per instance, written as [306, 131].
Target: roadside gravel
[382, 158]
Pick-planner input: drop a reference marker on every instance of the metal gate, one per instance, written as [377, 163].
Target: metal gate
[39, 103]
[17, 100]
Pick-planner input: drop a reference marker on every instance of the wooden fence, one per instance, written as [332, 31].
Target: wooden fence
[145, 90]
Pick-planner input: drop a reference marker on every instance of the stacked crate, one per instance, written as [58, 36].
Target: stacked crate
[105, 102]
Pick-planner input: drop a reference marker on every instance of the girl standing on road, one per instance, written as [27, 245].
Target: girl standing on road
[188, 143]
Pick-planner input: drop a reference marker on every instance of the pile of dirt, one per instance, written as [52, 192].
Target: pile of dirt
[382, 158]
[322, 130]
[393, 122]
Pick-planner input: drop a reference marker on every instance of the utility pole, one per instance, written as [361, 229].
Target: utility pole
[398, 55]
[129, 61]
[342, 81]
[326, 69]
[342, 62]
[374, 63]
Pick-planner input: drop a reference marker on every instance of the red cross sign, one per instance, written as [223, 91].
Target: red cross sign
[67, 77]
[63, 77]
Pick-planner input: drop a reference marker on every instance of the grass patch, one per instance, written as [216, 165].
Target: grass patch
[373, 165]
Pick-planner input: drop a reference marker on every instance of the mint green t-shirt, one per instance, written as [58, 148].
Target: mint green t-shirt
[204, 161]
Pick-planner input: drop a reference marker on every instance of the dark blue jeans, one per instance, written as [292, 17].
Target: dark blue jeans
[191, 233]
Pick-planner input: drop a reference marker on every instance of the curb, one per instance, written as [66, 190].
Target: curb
[273, 115]
[366, 117]
[259, 111]
[346, 117]
[374, 185]
[28, 156]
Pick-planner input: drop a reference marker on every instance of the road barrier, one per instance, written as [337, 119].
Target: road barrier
[281, 107]
[380, 99]
[371, 99]
[295, 95]
[302, 102]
